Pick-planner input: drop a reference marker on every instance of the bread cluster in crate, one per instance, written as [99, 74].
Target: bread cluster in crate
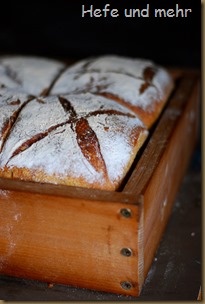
[78, 125]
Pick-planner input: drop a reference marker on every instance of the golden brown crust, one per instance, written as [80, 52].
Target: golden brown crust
[137, 138]
[148, 117]
[40, 176]
[89, 130]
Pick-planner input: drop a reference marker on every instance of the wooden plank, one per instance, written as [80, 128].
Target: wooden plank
[163, 185]
[178, 259]
[70, 241]
[66, 191]
[159, 140]
[199, 297]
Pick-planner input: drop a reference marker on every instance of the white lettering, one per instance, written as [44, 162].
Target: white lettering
[105, 9]
[136, 12]
[97, 12]
[88, 11]
[145, 11]
[179, 11]
[105, 12]
[187, 10]
[170, 13]
[114, 12]
[160, 11]
[128, 14]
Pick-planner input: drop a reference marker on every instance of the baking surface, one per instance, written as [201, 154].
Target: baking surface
[177, 260]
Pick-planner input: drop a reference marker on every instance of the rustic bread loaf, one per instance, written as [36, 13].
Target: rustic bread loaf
[138, 84]
[32, 75]
[81, 125]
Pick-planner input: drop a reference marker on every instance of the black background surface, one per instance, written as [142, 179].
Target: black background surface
[56, 29]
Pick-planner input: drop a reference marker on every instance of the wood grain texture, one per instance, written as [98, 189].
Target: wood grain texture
[177, 260]
[164, 183]
[161, 167]
[159, 140]
[74, 236]
[66, 191]
[69, 241]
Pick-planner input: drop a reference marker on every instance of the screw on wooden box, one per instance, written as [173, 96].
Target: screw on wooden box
[99, 239]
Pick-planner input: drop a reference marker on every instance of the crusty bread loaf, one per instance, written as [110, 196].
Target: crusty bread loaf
[32, 75]
[138, 84]
[81, 125]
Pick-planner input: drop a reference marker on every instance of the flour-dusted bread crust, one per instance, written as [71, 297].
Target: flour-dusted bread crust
[11, 102]
[138, 84]
[81, 125]
[32, 75]
[82, 140]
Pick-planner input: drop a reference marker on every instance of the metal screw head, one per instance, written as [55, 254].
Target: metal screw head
[126, 285]
[126, 212]
[127, 252]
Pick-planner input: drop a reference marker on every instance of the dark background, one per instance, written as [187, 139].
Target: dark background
[56, 29]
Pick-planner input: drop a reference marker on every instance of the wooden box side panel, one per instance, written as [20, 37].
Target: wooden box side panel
[68, 241]
[162, 188]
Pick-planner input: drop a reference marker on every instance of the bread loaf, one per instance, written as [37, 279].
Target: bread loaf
[80, 125]
[29, 74]
[135, 83]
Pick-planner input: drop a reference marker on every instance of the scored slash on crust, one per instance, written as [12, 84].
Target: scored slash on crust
[11, 74]
[9, 123]
[85, 136]
[148, 75]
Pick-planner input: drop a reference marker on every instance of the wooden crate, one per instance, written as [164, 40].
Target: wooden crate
[99, 239]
